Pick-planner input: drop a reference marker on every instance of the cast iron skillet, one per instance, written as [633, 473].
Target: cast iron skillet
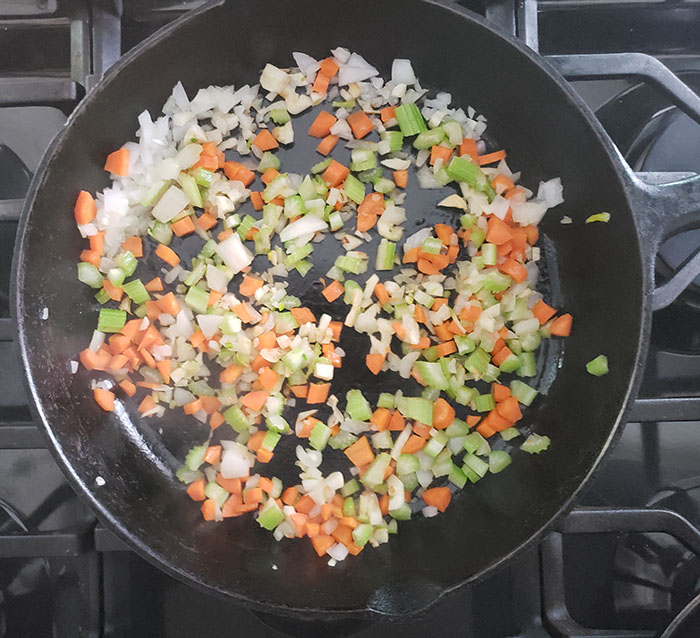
[602, 273]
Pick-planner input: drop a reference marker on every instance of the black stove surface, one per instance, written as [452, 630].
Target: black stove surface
[610, 569]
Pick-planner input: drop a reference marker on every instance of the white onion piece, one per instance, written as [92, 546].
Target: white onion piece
[234, 254]
[209, 324]
[305, 225]
[235, 462]
[402, 72]
[98, 338]
[356, 69]
[307, 65]
[395, 487]
[170, 204]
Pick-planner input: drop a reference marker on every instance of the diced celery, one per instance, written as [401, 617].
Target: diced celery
[457, 476]
[382, 440]
[410, 120]
[598, 367]
[402, 513]
[267, 161]
[190, 188]
[136, 291]
[270, 440]
[217, 493]
[357, 406]
[528, 367]
[375, 472]
[280, 116]
[342, 440]
[385, 400]
[161, 232]
[490, 254]
[88, 274]
[362, 159]
[319, 436]
[197, 299]
[457, 428]
[476, 464]
[407, 463]
[417, 409]
[350, 488]
[499, 460]
[321, 166]
[384, 185]
[476, 444]
[476, 362]
[195, 457]
[361, 534]
[102, 296]
[237, 419]
[385, 255]
[432, 374]
[349, 507]
[534, 444]
[111, 320]
[435, 444]
[465, 344]
[354, 189]
[509, 433]
[522, 392]
[429, 138]
[270, 515]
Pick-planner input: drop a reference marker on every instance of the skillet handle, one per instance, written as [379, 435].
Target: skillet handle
[663, 203]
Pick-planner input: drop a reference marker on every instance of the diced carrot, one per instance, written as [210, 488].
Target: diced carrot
[514, 269]
[387, 113]
[134, 245]
[421, 429]
[443, 414]
[300, 391]
[230, 485]
[213, 455]
[168, 304]
[216, 420]
[509, 409]
[413, 444]
[501, 183]
[444, 233]
[268, 378]
[118, 362]
[206, 221]
[423, 342]
[118, 162]
[360, 453]
[343, 534]
[192, 406]
[290, 495]
[470, 313]
[397, 422]
[440, 152]
[472, 420]
[322, 125]
[443, 332]
[257, 200]
[214, 296]
[400, 178]
[155, 285]
[384, 504]
[500, 355]
[381, 294]
[498, 231]
[305, 504]
[373, 203]
[318, 392]
[410, 256]
[360, 124]
[439, 497]
[230, 373]
[485, 431]
[491, 158]
[336, 329]
[168, 255]
[225, 234]
[264, 140]
[322, 542]
[335, 174]
[375, 362]
[128, 387]
[419, 314]
[445, 349]
[561, 326]
[321, 83]
[105, 399]
[249, 285]
[253, 495]
[269, 175]
[97, 242]
[303, 315]
[381, 417]
[85, 208]
[495, 421]
[195, 490]
[254, 400]
[232, 507]
[543, 312]
[209, 509]
[266, 484]
[267, 340]
[210, 404]
[468, 147]
[500, 392]
[366, 221]
[255, 441]
[332, 355]
[236, 171]
[426, 267]
[332, 291]
[91, 257]
[326, 511]
[329, 67]
[164, 368]
[532, 233]
[327, 144]
[197, 338]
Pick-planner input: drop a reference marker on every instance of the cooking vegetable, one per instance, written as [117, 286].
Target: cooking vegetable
[217, 334]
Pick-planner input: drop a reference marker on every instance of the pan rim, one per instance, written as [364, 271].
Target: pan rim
[134, 542]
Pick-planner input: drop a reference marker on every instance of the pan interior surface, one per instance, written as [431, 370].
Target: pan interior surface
[596, 275]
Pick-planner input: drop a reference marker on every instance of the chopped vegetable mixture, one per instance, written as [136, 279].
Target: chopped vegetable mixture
[452, 306]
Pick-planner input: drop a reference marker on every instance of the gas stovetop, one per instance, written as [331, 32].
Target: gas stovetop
[624, 563]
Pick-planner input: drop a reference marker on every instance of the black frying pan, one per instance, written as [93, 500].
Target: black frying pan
[602, 273]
